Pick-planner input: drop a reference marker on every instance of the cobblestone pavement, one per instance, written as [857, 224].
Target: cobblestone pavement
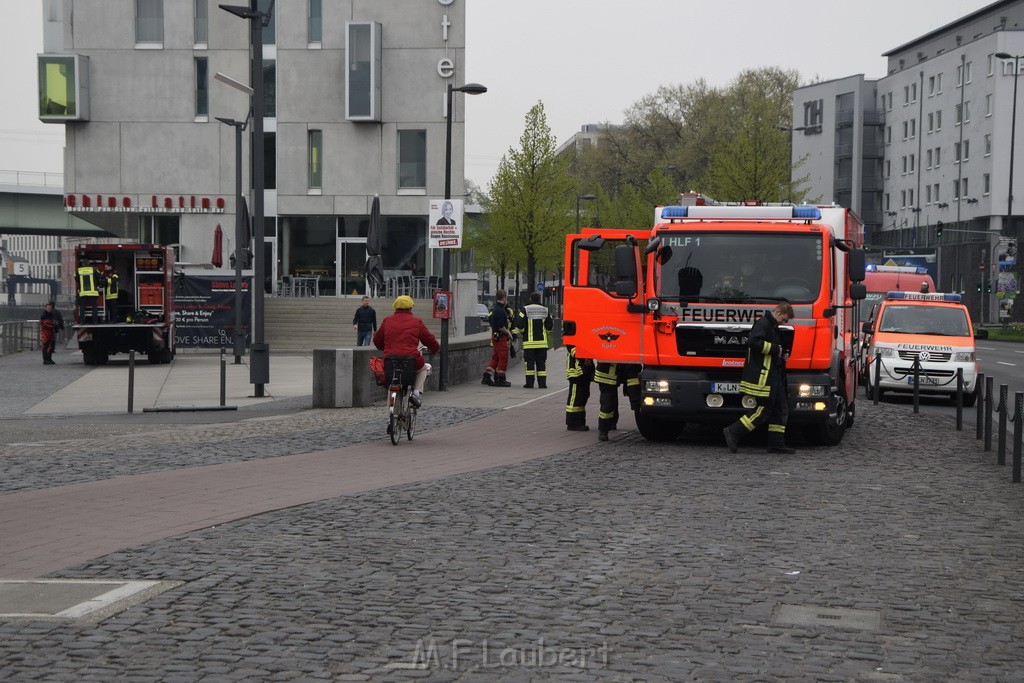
[618, 561]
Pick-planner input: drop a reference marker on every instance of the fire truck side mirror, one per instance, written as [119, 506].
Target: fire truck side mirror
[858, 291]
[856, 262]
[625, 271]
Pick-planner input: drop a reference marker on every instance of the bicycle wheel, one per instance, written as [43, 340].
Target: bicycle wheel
[410, 422]
[394, 427]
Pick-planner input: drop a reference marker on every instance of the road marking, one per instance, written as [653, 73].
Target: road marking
[1004, 363]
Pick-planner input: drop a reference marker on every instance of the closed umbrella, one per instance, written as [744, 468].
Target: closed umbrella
[374, 270]
[218, 248]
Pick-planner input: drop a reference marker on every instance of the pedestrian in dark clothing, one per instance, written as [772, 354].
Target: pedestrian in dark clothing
[534, 323]
[580, 373]
[499, 319]
[51, 322]
[364, 322]
[609, 377]
[764, 378]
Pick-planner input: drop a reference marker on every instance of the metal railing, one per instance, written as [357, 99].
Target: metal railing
[23, 335]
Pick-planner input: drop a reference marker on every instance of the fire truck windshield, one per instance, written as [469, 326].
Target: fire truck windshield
[741, 267]
[911, 319]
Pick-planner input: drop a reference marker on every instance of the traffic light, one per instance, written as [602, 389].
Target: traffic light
[988, 287]
[938, 230]
[978, 288]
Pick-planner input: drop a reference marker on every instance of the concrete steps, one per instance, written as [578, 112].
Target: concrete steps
[299, 325]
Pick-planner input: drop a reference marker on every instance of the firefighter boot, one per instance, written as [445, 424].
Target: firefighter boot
[529, 382]
[500, 381]
[732, 437]
[487, 379]
[542, 382]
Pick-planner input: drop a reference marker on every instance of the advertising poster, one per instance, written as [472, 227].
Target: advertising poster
[204, 310]
[445, 224]
[442, 305]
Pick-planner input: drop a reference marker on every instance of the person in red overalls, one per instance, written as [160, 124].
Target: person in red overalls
[50, 323]
[500, 319]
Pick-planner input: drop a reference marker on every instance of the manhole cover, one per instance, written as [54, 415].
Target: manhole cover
[74, 600]
[837, 617]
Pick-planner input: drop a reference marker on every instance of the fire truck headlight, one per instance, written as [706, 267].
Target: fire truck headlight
[656, 386]
[885, 352]
[808, 390]
[749, 402]
[653, 304]
[963, 357]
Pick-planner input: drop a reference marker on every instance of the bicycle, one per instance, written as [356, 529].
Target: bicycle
[401, 411]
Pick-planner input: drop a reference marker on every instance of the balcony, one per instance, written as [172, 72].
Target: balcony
[874, 117]
[874, 150]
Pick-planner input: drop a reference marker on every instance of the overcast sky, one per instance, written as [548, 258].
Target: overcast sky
[586, 60]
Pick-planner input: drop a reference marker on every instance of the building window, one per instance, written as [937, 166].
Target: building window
[967, 111]
[986, 181]
[888, 101]
[63, 88]
[903, 199]
[988, 144]
[938, 120]
[967, 150]
[913, 161]
[956, 190]
[270, 30]
[316, 159]
[913, 128]
[963, 187]
[202, 87]
[906, 95]
[888, 135]
[928, 158]
[938, 156]
[913, 92]
[927, 194]
[270, 161]
[315, 26]
[956, 152]
[938, 84]
[363, 72]
[935, 192]
[931, 86]
[906, 129]
[958, 113]
[911, 197]
[269, 88]
[886, 201]
[991, 65]
[931, 122]
[904, 165]
[888, 167]
[988, 105]
[412, 159]
[201, 26]
[149, 21]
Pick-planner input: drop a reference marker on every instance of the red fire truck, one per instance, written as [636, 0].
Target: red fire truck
[141, 317]
[681, 298]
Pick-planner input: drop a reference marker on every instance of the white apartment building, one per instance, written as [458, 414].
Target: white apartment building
[353, 107]
[927, 147]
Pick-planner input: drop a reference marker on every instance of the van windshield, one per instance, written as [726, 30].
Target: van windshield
[940, 320]
[741, 267]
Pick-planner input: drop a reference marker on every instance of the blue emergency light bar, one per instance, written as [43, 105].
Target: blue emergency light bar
[919, 296]
[811, 213]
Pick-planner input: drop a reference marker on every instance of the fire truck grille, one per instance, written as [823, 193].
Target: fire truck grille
[719, 342]
[933, 356]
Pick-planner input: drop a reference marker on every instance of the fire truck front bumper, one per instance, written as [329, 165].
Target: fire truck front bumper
[699, 395]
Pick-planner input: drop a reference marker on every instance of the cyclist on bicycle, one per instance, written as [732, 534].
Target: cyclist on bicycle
[400, 334]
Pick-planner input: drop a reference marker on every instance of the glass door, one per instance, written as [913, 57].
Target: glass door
[351, 260]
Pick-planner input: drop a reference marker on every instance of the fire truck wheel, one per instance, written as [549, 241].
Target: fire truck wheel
[969, 399]
[658, 429]
[830, 431]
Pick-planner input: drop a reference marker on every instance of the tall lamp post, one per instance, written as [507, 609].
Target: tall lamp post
[585, 198]
[446, 256]
[1013, 132]
[238, 338]
[790, 130]
[259, 351]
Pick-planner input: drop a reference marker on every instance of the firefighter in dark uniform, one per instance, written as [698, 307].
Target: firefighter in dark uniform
[534, 323]
[580, 373]
[111, 296]
[609, 376]
[764, 378]
[88, 294]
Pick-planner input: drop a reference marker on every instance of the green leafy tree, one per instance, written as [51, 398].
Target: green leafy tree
[531, 200]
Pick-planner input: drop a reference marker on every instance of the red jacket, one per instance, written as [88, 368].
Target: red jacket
[400, 335]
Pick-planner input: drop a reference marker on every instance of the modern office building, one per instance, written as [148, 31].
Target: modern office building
[353, 107]
[924, 153]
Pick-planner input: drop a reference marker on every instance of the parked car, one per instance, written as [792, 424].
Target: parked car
[482, 312]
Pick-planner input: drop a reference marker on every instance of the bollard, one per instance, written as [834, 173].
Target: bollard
[878, 377]
[223, 376]
[988, 414]
[1018, 433]
[1001, 407]
[917, 384]
[131, 381]
[959, 399]
[979, 404]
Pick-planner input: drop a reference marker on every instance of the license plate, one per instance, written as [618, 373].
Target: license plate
[725, 387]
[925, 380]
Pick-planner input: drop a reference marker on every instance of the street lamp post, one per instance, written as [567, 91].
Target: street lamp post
[446, 256]
[238, 338]
[259, 350]
[586, 198]
[1013, 132]
[790, 130]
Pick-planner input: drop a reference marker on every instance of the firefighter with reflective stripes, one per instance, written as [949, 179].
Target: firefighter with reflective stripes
[764, 378]
[111, 296]
[88, 294]
[608, 377]
[580, 373]
[534, 323]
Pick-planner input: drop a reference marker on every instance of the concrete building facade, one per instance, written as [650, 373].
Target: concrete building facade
[354, 99]
[931, 166]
